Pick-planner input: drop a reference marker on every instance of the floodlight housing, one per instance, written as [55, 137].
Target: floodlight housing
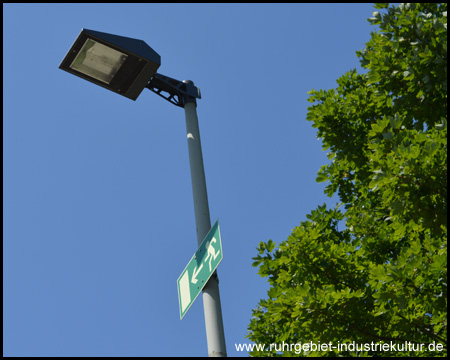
[117, 63]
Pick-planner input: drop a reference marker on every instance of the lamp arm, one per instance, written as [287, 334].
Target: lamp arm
[175, 91]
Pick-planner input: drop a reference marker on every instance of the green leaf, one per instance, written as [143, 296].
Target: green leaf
[321, 178]
[395, 121]
[381, 5]
[442, 125]
[388, 135]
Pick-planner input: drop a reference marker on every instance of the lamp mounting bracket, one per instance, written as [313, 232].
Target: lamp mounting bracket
[175, 91]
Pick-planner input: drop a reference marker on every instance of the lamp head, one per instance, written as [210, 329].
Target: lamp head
[117, 63]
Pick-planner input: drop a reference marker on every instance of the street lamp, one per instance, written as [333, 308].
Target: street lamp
[127, 66]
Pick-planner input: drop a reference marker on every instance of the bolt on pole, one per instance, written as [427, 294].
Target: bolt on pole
[211, 298]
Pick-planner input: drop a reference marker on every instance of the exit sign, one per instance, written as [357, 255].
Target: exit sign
[199, 269]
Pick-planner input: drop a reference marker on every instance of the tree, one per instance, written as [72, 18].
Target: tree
[372, 269]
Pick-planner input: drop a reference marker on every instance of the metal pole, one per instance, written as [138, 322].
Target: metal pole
[215, 335]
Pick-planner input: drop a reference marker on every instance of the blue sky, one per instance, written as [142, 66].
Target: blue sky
[97, 201]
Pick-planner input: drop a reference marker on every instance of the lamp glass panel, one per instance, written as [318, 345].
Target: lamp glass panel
[98, 61]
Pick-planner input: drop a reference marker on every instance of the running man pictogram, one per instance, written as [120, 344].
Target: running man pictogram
[212, 254]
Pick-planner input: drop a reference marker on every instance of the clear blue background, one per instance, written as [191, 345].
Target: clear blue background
[98, 211]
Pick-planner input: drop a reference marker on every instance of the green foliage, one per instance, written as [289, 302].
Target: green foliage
[373, 269]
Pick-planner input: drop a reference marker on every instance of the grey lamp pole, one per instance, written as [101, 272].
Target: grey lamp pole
[211, 298]
[127, 66]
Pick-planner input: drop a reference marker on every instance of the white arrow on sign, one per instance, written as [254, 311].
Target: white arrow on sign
[195, 274]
